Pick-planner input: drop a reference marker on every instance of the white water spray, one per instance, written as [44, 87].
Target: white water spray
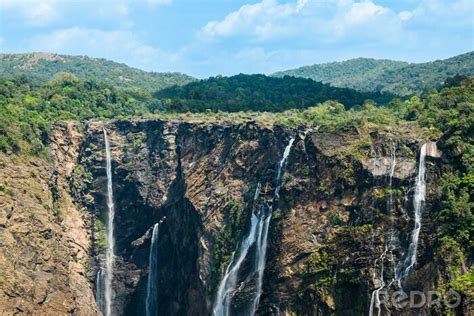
[375, 298]
[258, 234]
[109, 256]
[229, 281]
[99, 289]
[152, 288]
[262, 241]
[418, 201]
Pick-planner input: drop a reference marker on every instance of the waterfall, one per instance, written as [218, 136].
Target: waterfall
[109, 256]
[258, 235]
[99, 289]
[262, 240]
[375, 298]
[229, 281]
[151, 295]
[418, 201]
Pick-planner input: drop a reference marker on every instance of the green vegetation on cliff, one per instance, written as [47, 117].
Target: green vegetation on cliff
[225, 241]
[400, 78]
[449, 112]
[45, 66]
[28, 108]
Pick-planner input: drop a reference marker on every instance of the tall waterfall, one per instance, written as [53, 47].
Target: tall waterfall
[262, 240]
[229, 281]
[258, 234]
[389, 243]
[109, 256]
[418, 201]
[152, 288]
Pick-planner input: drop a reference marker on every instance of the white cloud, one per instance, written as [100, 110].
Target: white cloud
[122, 46]
[310, 19]
[331, 20]
[442, 12]
[34, 12]
[260, 19]
[363, 19]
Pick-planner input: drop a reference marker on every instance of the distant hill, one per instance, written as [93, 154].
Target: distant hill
[258, 93]
[46, 65]
[401, 78]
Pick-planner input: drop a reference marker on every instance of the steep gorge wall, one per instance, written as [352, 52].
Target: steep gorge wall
[44, 238]
[202, 178]
[328, 229]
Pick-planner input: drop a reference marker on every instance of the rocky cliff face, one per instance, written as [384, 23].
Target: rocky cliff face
[44, 239]
[329, 229]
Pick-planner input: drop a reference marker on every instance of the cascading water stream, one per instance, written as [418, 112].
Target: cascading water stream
[375, 298]
[418, 201]
[152, 288]
[406, 265]
[109, 256]
[262, 240]
[229, 281]
[258, 234]
[99, 289]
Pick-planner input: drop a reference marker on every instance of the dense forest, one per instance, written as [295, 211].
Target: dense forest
[28, 107]
[258, 93]
[46, 66]
[400, 78]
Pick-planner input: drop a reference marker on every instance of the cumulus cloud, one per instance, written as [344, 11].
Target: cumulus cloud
[272, 34]
[36, 13]
[120, 45]
[269, 19]
[261, 19]
[331, 20]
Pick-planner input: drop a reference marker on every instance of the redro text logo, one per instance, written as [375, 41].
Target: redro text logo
[417, 299]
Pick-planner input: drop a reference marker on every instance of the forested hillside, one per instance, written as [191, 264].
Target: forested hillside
[258, 93]
[28, 107]
[395, 77]
[46, 65]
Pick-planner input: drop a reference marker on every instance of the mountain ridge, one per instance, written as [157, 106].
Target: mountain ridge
[362, 74]
[42, 65]
[385, 75]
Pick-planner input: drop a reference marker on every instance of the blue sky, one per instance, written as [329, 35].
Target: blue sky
[212, 37]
